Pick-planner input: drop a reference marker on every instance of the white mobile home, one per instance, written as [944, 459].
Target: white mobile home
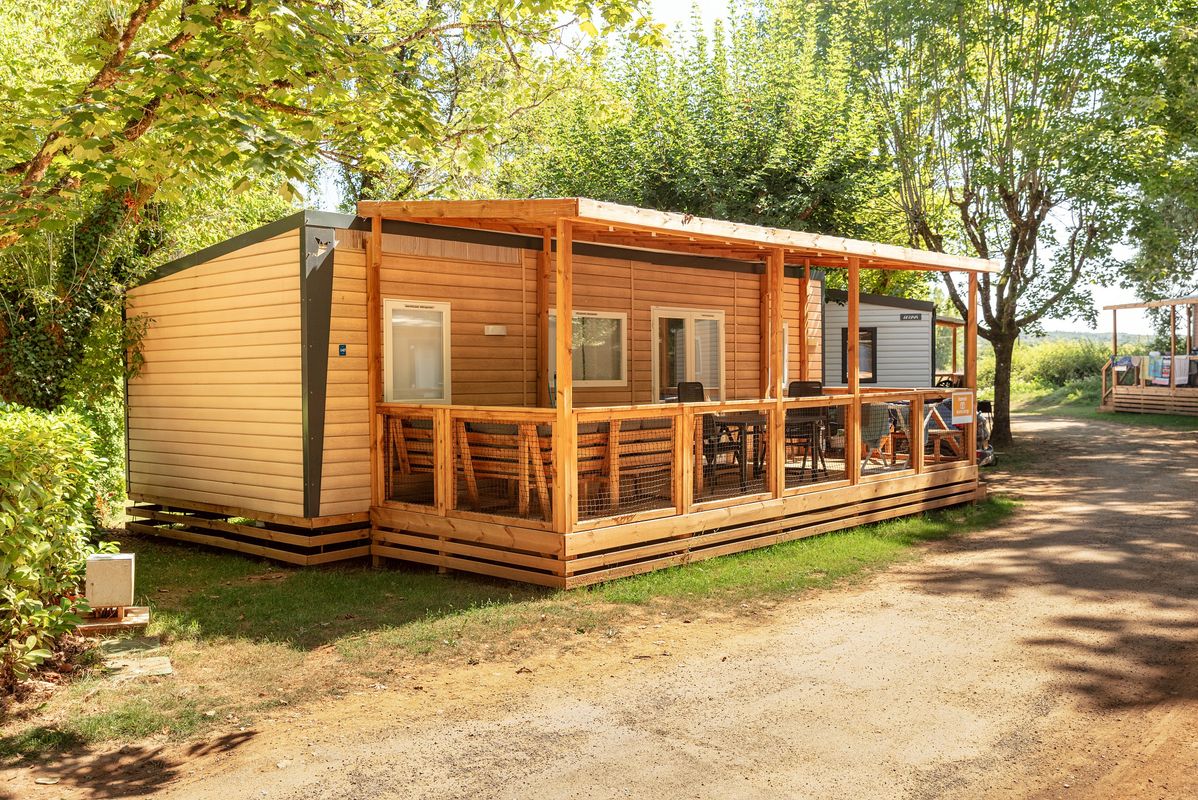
[897, 340]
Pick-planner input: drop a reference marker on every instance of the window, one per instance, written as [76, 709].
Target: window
[867, 365]
[600, 348]
[415, 352]
[689, 347]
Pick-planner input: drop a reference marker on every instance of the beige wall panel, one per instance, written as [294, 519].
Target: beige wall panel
[215, 415]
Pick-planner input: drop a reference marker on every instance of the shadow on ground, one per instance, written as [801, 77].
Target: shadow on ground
[132, 771]
[207, 593]
[1108, 519]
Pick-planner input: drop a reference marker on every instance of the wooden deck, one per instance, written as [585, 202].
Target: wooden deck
[1152, 400]
[477, 489]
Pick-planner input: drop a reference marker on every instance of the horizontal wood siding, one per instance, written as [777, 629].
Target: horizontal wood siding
[216, 414]
[904, 347]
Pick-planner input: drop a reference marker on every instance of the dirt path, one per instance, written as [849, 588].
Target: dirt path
[1055, 658]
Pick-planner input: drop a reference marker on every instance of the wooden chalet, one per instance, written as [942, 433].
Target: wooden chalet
[1164, 383]
[401, 383]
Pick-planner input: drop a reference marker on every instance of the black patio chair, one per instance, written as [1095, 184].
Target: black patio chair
[806, 427]
[717, 438]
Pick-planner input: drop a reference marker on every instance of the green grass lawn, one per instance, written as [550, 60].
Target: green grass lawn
[248, 636]
[1081, 399]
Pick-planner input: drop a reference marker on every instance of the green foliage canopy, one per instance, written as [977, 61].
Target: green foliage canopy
[150, 96]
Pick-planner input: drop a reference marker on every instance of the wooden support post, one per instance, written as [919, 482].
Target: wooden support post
[1115, 332]
[971, 367]
[956, 363]
[852, 432]
[776, 460]
[374, 350]
[444, 463]
[804, 291]
[565, 442]
[544, 275]
[1172, 349]
[684, 460]
[915, 433]
[765, 345]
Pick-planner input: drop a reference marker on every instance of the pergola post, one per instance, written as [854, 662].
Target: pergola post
[374, 350]
[1172, 349]
[852, 360]
[544, 276]
[776, 268]
[565, 442]
[971, 366]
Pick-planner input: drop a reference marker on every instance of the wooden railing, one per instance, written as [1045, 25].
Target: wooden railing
[1108, 383]
[648, 461]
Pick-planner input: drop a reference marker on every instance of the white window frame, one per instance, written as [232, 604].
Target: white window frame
[446, 363]
[622, 316]
[689, 314]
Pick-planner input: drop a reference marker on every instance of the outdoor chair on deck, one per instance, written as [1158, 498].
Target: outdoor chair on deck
[409, 452]
[713, 439]
[941, 433]
[875, 427]
[806, 427]
[517, 456]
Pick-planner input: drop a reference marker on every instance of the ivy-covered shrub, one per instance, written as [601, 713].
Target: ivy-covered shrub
[48, 479]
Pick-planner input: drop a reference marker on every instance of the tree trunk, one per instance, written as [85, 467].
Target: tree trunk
[1004, 351]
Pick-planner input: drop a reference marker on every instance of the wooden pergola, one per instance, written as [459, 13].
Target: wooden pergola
[1145, 398]
[560, 223]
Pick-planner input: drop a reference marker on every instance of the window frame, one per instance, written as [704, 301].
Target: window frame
[690, 315]
[844, 354]
[622, 316]
[445, 309]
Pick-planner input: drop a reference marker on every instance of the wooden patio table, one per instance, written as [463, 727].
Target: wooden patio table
[748, 424]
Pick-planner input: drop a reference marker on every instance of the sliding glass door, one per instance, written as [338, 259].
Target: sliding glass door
[689, 346]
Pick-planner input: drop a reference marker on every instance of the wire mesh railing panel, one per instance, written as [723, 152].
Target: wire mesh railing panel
[885, 436]
[625, 466]
[503, 467]
[813, 444]
[409, 460]
[730, 453]
[943, 441]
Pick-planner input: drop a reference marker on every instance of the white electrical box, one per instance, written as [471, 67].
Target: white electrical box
[108, 580]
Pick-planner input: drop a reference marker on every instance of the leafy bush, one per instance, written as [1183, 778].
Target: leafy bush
[1048, 364]
[1056, 363]
[48, 479]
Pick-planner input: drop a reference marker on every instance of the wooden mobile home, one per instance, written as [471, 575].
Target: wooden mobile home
[1155, 383]
[398, 383]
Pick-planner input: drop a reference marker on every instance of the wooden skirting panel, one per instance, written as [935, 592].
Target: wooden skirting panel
[588, 557]
[293, 543]
[1154, 400]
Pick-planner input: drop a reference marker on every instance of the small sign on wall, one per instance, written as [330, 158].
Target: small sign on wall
[963, 407]
[340, 349]
[910, 317]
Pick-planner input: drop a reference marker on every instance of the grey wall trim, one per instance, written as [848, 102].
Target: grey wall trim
[823, 332]
[317, 245]
[332, 219]
[842, 297]
[219, 249]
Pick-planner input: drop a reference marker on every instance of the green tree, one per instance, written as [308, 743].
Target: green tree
[151, 96]
[758, 122]
[1003, 120]
[1160, 93]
